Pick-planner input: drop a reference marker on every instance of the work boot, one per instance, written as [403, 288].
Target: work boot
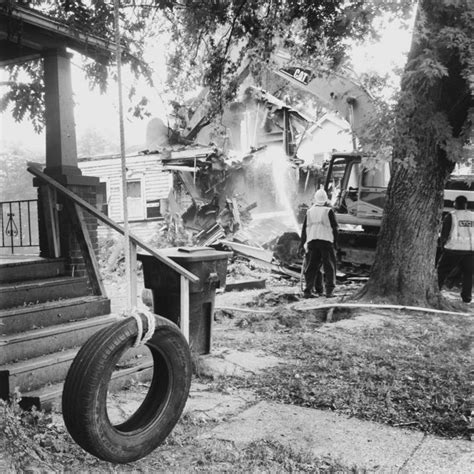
[307, 294]
[330, 295]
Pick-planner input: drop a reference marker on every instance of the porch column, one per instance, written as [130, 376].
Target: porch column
[61, 151]
[62, 163]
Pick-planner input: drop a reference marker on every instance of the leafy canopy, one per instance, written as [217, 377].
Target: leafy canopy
[436, 90]
[208, 40]
[25, 88]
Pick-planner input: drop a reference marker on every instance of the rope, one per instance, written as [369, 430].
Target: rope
[136, 314]
[126, 235]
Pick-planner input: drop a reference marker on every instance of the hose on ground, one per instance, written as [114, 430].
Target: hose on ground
[353, 306]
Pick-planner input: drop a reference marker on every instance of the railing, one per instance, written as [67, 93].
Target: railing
[19, 224]
[73, 207]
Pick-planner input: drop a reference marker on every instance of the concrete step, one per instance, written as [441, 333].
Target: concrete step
[31, 270]
[35, 373]
[38, 342]
[26, 318]
[49, 397]
[39, 291]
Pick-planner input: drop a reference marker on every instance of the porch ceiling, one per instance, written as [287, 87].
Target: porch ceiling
[25, 34]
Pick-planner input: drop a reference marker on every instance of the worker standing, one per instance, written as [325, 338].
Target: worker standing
[319, 232]
[457, 241]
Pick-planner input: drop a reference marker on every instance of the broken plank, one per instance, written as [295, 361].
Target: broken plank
[286, 271]
[245, 285]
[235, 211]
[190, 185]
[190, 169]
[249, 251]
[192, 153]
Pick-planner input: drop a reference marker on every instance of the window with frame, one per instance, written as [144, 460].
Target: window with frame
[135, 199]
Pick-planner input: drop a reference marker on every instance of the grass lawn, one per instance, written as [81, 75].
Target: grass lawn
[401, 369]
[408, 370]
[34, 442]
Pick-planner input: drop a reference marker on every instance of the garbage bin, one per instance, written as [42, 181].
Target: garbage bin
[206, 263]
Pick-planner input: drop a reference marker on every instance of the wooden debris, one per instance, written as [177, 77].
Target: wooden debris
[249, 251]
[245, 285]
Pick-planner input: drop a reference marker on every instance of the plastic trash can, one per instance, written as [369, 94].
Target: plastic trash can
[206, 263]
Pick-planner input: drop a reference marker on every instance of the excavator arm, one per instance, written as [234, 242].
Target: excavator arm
[334, 92]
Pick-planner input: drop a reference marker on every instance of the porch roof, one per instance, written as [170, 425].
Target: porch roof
[26, 33]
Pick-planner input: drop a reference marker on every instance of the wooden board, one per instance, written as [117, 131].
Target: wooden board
[82, 234]
[51, 222]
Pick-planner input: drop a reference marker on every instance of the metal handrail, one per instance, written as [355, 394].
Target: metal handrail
[106, 220]
[16, 224]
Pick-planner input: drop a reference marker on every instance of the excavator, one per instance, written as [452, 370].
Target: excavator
[356, 185]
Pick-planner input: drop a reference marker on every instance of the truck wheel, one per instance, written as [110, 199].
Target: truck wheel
[84, 402]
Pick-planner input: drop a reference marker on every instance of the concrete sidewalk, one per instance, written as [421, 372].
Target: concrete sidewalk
[238, 418]
[354, 443]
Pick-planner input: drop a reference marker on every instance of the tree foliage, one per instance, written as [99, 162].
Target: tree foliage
[208, 41]
[435, 96]
[15, 181]
[25, 88]
[211, 40]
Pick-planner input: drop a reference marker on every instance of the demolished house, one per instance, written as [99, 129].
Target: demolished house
[244, 184]
[256, 168]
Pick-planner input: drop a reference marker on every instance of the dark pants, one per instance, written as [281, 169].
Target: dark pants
[320, 252]
[451, 259]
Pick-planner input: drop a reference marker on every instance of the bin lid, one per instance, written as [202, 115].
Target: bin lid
[194, 254]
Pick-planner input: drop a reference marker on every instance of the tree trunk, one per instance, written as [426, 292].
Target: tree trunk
[432, 106]
[404, 267]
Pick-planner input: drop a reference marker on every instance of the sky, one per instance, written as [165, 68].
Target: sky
[100, 112]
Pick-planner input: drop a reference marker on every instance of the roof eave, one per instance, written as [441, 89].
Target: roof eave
[86, 44]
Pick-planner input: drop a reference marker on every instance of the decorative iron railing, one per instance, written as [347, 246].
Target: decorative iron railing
[19, 224]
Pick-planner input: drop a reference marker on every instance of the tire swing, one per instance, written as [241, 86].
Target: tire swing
[84, 401]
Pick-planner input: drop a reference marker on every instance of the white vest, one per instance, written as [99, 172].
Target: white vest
[461, 236]
[318, 226]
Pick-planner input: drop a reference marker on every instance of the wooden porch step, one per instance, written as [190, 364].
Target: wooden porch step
[32, 269]
[49, 397]
[39, 291]
[26, 318]
[38, 342]
[35, 373]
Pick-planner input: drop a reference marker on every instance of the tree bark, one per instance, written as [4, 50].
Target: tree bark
[404, 269]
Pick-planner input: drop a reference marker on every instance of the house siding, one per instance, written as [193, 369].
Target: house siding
[144, 230]
[156, 184]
